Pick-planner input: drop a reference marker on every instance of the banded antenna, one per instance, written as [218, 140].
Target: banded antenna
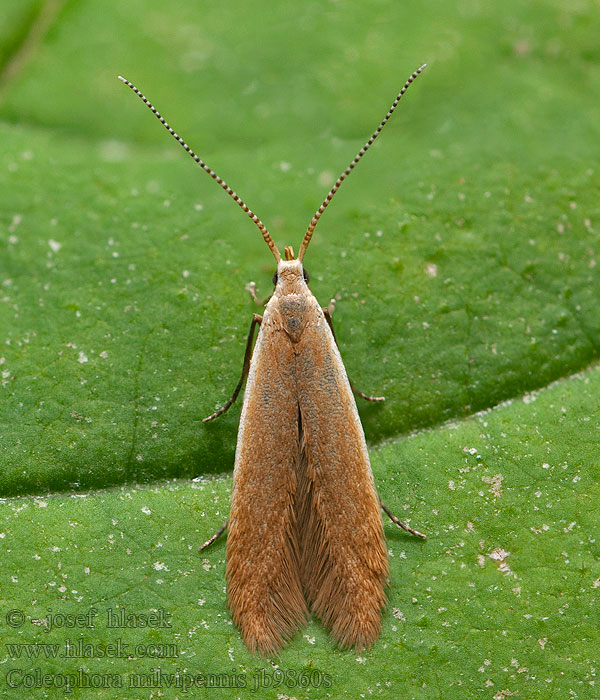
[238, 200]
[359, 155]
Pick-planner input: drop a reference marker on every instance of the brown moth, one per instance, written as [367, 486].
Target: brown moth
[305, 531]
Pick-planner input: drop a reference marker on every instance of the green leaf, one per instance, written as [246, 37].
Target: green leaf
[463, 257]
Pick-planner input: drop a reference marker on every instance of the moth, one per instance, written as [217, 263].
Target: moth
[305, 533]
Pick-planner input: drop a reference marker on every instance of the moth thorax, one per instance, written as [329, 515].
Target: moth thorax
[294, 311]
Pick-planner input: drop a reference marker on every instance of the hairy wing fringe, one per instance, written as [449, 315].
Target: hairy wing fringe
[343, 585]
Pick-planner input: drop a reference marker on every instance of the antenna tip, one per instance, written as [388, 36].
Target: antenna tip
[121, 78]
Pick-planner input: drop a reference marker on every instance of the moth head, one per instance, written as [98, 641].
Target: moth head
[290, 274]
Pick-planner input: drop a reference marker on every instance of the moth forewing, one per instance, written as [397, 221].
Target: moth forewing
[296, 540]
[263, 567]
[344, 563]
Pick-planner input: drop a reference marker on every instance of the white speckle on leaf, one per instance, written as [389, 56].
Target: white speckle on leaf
[498, 554]
[54, 245]
[16, 220]
[82, 357]
[431, 270]
[326, 178]
[146, 510]
[495, 483]
[538, 531]
[503, 694]
[113, 151]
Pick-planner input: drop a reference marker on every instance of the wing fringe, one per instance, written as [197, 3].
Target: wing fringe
[343, 586]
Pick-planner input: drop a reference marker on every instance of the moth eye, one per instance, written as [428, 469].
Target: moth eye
[274, 278]
[306, 275]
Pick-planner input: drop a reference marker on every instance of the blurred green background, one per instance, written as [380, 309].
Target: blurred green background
[462, 252]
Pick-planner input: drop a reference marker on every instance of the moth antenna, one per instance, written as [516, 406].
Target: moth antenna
[359, 155]
[238, 200]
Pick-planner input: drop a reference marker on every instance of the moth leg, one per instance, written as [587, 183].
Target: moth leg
[248, 355]
[404, 526]
[216, 536]
[251, 287]
[327, 310]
